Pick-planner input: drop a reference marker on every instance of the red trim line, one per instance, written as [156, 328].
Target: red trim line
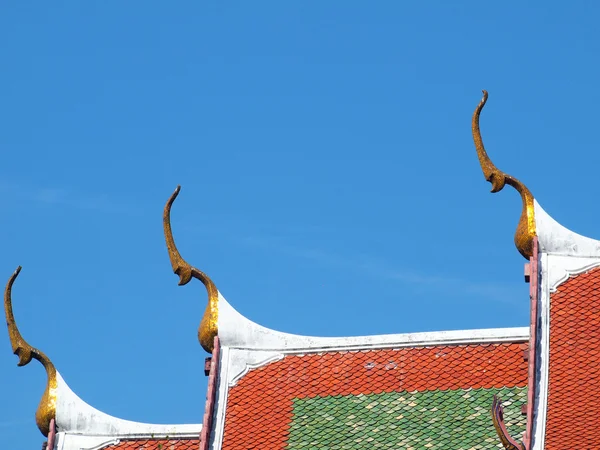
[51, 435]
[210, 397]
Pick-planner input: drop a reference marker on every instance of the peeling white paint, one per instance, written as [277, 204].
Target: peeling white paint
[555, 239]
[236, 331]
[542, 353]
[81, 426]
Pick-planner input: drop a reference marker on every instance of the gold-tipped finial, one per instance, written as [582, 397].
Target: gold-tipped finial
[47, 408]
[526, 229]
[208, 328]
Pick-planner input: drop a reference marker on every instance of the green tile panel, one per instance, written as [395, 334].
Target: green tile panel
[448, 420]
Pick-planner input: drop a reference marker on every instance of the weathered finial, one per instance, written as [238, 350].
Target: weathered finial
[208, 328]
[47, 408]
[526, 228]
[508, 442]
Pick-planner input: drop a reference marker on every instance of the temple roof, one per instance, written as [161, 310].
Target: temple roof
[72, 424]
[518, 388]
[435, 397]
[565, 343]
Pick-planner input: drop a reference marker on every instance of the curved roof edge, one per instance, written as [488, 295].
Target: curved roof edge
[75, 416]
[556, 239]
[237, 331]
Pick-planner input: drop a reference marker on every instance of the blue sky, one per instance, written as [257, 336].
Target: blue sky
[330, 184]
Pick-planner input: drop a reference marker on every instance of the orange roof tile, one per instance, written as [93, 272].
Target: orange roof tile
[260, 406]
[156, 444]
[574, 367]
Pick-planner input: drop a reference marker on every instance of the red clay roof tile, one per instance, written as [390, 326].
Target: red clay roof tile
[574, 364]
[156, 444]
[259, 406]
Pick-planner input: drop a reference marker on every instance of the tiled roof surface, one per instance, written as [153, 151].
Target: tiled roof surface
[156, 444]
[574, 370]
[455, 419]
[410, 398]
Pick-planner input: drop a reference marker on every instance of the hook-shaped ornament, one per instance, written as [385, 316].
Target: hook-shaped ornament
[47, 408]
[208, 328]
[526, 230]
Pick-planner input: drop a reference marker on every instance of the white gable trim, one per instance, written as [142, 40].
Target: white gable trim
[81, 426]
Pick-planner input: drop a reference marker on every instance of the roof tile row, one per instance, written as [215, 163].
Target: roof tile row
[574, 368]
[261, 407]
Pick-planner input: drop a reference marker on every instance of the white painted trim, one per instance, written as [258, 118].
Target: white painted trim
[71, 441]
[221, 400]
[236, 331]
[421, 339]
[543, 336]
[145, 436]
[561, 268]
[242, 360]
[80, 425]
[255, 364]
[555, 239]
[73, 415]
[104, 444]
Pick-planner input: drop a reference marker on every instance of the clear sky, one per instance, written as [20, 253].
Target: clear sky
[330, 184]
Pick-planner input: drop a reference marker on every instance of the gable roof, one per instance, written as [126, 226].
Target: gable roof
[574, 364]
[279, 390]
[274, 390]
[422, 397]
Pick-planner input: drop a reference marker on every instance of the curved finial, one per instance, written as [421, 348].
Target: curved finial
[208, 328]
[526, 228]
[508, 442]
[47, 408]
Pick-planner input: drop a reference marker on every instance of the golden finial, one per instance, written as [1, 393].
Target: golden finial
[526, 228]
[47, 408]
[208, 328]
